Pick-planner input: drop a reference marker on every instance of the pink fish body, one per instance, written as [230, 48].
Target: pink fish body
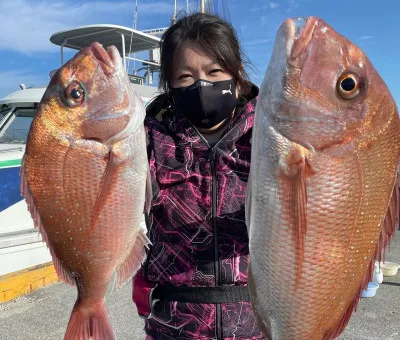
[321, 204]
[84, 178]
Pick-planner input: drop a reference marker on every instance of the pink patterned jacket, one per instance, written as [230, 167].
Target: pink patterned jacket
[198, 231]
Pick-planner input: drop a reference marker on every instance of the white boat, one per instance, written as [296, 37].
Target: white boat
[21, 246]
[16, 227]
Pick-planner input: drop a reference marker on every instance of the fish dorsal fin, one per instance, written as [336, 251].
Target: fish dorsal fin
[294, 170]
[390, 222]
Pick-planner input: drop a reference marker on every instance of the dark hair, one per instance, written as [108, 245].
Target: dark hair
[214, 35]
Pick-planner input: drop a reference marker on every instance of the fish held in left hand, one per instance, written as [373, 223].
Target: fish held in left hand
[321, 201]
[85, 179]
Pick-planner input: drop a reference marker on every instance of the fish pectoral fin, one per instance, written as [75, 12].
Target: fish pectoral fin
[294, 170]
[297, 157]
[91, 162]
[134, 260]
[105, 184]
[62, 272]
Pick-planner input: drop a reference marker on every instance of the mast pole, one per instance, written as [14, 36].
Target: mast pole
[174, 15]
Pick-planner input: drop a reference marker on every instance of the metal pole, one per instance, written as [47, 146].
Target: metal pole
[143, 61]
[173, 19]
[149, 76]
[202, 9]
[62, 53]
[123, 51]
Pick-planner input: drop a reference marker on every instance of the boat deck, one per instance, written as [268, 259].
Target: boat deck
[44, 314]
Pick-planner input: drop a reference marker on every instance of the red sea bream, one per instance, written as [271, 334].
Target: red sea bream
[84, 178]
[320, 202]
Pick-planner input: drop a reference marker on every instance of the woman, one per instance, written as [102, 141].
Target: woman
[193, 283]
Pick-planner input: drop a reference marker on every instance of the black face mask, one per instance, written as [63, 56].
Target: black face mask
[206, 103]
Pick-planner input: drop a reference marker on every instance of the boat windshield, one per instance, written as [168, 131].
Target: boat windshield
[15, 128]
[3, 111]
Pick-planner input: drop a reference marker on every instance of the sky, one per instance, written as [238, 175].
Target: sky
[27, 55]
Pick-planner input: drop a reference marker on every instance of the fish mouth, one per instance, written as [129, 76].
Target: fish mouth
[112, 116]
[108, 60]
[299, 33]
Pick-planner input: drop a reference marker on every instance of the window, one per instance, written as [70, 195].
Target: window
[14, 215]
[16, 128]
[3, 111]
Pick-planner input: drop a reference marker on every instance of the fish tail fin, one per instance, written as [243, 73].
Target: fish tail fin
[133, 261]
[89, 322]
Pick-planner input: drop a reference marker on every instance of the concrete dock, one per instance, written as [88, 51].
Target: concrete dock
[44, 314]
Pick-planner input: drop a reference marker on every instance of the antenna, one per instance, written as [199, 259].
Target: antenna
[135, 15]
[134, 25]
[173, 19]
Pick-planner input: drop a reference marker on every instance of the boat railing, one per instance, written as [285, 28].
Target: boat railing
[127, 40]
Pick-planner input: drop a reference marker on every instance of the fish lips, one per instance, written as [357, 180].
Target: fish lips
[109, 60]
[112, 116]
[298, 33]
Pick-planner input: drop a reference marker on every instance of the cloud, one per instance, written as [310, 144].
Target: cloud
[256, 42]
[292, 4]
[32, 23]
[265, 7]
[367, 37]
[273, 5]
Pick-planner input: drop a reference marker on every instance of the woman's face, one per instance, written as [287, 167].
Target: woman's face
[191, 63]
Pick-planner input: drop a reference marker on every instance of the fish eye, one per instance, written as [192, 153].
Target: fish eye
[74, 93]
[348, 85]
